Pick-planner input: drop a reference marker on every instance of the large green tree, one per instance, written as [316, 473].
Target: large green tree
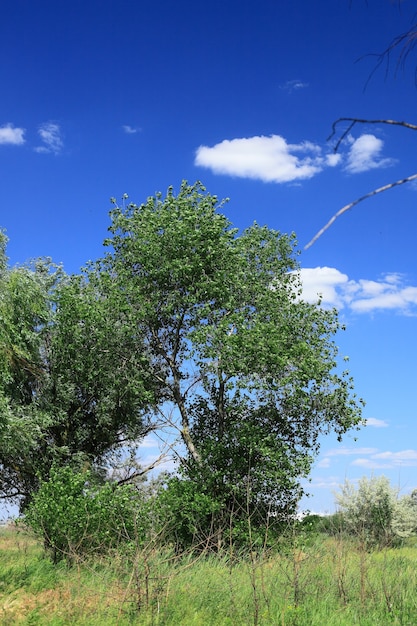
[73, 385]
[246, 368]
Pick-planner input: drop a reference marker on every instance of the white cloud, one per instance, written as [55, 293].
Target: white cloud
[390, 292]
[370, 464]
[149, 442]
[273, 159]
[50, 134]
[130, 130]
[270, 159]
[11, 135]
[324, 463]
[403, 457]
[324, 482]
[333, 159]
[365, 154]
[343, 451]
[388, 460]
[372, 421]
[293, 85]
[371, 458]
[325, 283]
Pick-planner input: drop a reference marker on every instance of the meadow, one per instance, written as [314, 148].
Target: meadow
[323, 581]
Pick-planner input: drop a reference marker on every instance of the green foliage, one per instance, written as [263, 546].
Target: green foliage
[185, 326]
[246, 368]
[73, 382]
[97, 385]
[374, 512]
[186, 514]
[77, 517]
[26, 313]
[332, 524]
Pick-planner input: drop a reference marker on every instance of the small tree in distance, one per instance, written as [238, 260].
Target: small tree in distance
[374, 513]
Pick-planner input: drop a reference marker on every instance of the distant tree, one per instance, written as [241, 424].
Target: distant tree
[246, 368]
[374, 513]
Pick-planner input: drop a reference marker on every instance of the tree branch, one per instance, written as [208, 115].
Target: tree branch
[142, 471]
[356, 120]
[349, 206]
[407, 42]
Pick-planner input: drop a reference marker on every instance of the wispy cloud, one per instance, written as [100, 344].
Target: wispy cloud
[50, 134]
[324, 482]
[9, 134]
[390, 292]
[388, 460]
[324, 463]
[375, 423]
[130, 130]
[370, 458]
[335, 453]
[150, 442]
[269, 159]
[293, 85]
[365, 154]
[343, 451]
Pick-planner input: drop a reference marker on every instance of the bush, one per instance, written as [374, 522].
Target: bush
[374, 513]
[76, 517]
[186, 515]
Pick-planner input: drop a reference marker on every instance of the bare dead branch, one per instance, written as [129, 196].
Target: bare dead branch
[355, 120]
[403, 45]
[349, 206]
[143, 470]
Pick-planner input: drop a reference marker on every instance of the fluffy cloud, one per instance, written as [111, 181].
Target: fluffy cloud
[11, 135]
[365, 154]
[270, 159]
[326, 283]
[273, 159]
[50, 134]
[362, 296]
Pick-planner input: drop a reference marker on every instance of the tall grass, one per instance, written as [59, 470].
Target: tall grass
[329, 581]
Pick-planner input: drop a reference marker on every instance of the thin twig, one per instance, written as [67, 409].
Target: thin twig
[354, 203]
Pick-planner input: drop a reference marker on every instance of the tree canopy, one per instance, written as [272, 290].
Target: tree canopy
[186, 328]
[71, 385]
[246, 367]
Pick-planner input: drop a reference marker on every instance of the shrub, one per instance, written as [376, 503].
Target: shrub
[374, 512]
[76, 517]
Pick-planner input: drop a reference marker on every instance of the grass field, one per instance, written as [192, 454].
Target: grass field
[330, 582]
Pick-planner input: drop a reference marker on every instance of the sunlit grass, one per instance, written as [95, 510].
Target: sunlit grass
[330, 582]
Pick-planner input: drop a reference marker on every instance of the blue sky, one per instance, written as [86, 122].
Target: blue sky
[105, 98]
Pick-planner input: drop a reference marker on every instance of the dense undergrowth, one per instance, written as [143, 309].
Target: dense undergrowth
[321, 581]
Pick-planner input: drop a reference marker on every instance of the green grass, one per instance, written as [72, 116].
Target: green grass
[330, 582]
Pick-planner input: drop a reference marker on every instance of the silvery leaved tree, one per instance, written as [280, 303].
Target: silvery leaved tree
[375, 513]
